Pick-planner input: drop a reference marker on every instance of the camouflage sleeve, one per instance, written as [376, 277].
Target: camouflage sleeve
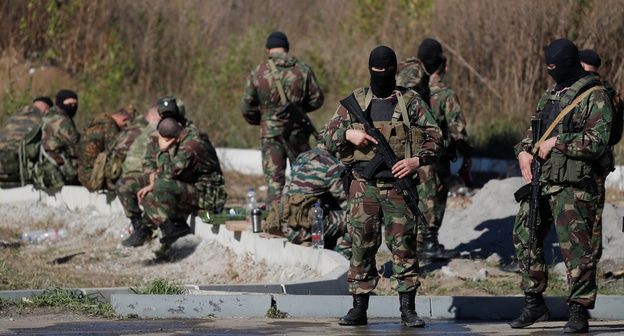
[68, 137]
[313, 97]
[334, 176]
[334, 133]
[250, 104]
[174, 162]
[149, 160]
[592, 140]
[422, 117]
[110, 136]
[456, 123]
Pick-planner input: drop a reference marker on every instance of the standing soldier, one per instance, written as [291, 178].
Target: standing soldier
[590, 61]
[409, 127]
[278, 94]
[97, 142]
[13, 140]
[59, 142]
[568, 189]
[435, 178]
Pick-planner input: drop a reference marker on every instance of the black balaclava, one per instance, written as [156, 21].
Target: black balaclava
[277, 39]
[61, 96]
[565, 56]
[430, 54]
[382, 83]
[591, 57]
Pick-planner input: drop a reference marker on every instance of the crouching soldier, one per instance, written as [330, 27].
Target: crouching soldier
[183, 176]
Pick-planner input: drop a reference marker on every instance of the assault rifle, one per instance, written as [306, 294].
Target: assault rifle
[301, 118]
[532, 190]
[405, 186]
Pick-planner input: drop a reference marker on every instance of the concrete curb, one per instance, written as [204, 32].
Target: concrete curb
[490, 308]
[331, 266]
[17, 295]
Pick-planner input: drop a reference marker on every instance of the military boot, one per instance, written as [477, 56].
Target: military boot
[409, 317]
[534, 310]
[140, 234]
[172, 231]
[432, 250]
[578, 320]
[357, 314]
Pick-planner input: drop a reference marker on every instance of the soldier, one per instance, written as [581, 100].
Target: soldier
[407, 123]
[569, 195]
[278, 94]
[316, 177]
[98, 140]
[59, 142]
[435, 178]
[183, 176]
[591, 62]
[17, 128]
[132, 143]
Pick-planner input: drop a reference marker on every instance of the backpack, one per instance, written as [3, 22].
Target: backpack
[16, 164]
[617, 124]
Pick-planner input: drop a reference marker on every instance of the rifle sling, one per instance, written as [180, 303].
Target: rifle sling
[562, 114]
[278, 82]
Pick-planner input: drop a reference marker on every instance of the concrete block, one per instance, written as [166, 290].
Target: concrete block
[107, 292]
[21, 194]
[17, 295]
[313, 306]
[191, 306]
[252, 288]
[609, 307]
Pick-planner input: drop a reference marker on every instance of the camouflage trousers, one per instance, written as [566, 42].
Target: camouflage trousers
[170, 200]
[370, 206]
[573, 212]
[433, 193]
[275, 151]
[335, 227]
[597, 229]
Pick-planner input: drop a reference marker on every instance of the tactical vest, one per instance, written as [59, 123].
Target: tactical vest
[404, 138]
[560, 168]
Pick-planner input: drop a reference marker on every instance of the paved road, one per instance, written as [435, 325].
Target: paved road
[63, 324]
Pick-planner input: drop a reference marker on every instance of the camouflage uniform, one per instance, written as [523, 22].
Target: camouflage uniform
[116, 163]
[59, 142]
[280, 140]
[569, 194]
[14, 132]
[98, 137]
[188, 178]
[435, 178]
[376, 201]
[316, 176]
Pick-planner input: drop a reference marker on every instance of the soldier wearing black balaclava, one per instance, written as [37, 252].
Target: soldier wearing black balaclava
[568, 189]
[406, 122]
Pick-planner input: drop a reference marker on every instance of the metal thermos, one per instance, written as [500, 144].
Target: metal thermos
[256, 220]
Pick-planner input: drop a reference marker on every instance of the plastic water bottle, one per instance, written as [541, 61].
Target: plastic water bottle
[38, 236]
[251, 203]
[318, 227]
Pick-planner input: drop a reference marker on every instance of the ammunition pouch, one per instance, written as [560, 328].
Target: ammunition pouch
[560, 169]
[296, 210]
[9, 166]
[523, 193]
[211, 194]
[113, 171]
[97, 179]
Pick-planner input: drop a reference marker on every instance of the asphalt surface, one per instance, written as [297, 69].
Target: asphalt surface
[63, 324]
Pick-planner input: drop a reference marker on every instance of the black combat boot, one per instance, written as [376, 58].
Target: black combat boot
[534, 310]
[140, 234]
[171, 231]
[432, 250]
[357, 314]
[578, 320]
[409, 317]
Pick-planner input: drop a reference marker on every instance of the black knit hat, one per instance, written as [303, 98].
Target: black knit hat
[44, 99]
[430, 54]
[591, 57]
[64, 94]
[277, 39]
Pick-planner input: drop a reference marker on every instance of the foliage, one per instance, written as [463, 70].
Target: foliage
[161, 287]
[73, 300]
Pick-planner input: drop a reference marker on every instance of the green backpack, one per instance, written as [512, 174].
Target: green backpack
[16, 165]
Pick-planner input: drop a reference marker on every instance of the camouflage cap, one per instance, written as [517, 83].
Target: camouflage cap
[167, 107]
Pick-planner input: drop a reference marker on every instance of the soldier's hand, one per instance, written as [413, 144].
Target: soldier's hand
[546, 147]
[359, 138]
[144, 191]
[524, 160]
[405, 167]
[165, 143]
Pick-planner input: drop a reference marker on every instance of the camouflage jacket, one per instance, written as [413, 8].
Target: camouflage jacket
[192, 159]
[582, 135]
[446, 109]
[262, 96]
[59, 137]
[18, 126]
[409, 73]
[98, 137]
[318, 173]
[334, 135]
[132, 145]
